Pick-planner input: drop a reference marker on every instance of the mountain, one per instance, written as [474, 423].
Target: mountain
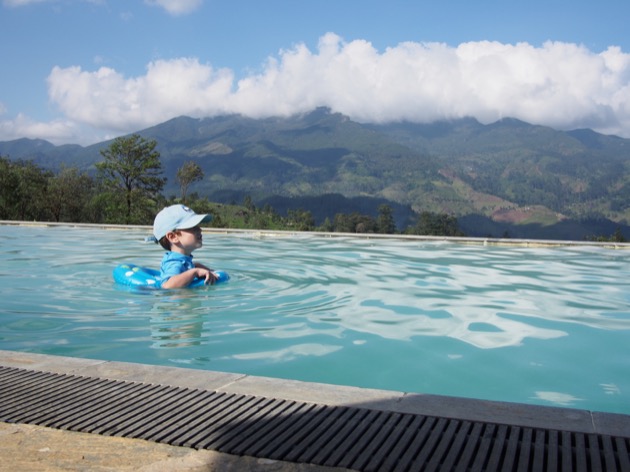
[508, 176]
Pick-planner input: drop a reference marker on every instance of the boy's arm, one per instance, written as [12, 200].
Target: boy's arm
[186, 278]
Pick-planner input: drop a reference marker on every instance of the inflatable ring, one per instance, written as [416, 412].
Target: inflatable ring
[136, 276]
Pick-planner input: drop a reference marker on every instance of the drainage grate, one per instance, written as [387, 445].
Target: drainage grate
[337, 436]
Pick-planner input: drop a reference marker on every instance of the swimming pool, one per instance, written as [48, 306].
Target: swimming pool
[543, 326]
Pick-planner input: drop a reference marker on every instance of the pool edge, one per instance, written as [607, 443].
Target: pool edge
[514, 414]
[483, 241]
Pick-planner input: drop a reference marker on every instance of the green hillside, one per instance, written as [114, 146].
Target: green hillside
[507, 174]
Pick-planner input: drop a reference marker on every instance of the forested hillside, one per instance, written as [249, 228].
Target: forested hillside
[506, 178]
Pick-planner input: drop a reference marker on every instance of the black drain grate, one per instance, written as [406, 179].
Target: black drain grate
[336, 436]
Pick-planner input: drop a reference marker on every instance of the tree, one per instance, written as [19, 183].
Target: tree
[131, 178]
[23, 191]
[301, 220]
[385, 221]
[618, 236]
[437, 224]
[248, 203]
[69, 195]
[327, 226]
[8, 185]
[354, 223]
[187, 174]
[343, 224]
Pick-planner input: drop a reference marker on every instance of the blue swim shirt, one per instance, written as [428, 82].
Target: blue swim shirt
[174, 263]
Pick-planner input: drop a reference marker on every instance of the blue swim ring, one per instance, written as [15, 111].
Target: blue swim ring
[132, 275]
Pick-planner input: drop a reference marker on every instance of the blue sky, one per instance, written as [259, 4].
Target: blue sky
[81, 71]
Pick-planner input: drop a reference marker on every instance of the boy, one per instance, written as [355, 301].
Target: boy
[177, 230]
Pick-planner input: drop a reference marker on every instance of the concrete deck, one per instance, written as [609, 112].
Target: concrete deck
[26, 448]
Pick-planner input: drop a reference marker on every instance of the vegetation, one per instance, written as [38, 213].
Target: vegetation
[70, 196]
[23, 190]
[432, 224]
[187, 174]
[616, 237]
[120, 195]
[130, 179]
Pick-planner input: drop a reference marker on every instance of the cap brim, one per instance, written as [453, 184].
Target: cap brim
[194, 221]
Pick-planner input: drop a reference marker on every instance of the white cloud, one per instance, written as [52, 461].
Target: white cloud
[176, 7]
[105, 98]
[562, 85]
[62, 131]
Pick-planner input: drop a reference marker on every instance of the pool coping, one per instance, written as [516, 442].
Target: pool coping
[483, 241]
[506, 413]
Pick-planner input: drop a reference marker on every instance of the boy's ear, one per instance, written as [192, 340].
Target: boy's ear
[172, 236]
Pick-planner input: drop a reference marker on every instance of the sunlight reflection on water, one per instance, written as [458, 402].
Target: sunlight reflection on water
[546, 325]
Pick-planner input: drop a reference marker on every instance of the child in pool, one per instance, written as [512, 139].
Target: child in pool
[177, 230]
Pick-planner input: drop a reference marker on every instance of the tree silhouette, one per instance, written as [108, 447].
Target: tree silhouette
[187, 174]
[385, 220]
[130, 175]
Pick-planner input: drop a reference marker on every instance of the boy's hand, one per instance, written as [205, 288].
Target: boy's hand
[206, 274]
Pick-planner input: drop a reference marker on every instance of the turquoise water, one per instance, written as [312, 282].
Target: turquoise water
[544, 326]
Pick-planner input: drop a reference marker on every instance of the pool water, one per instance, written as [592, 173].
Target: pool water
[545, 326]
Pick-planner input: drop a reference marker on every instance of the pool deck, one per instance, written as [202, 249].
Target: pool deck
[30, 445]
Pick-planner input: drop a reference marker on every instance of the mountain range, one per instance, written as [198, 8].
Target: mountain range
[504, 178]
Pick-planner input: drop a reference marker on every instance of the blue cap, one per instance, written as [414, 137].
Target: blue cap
[176, 217]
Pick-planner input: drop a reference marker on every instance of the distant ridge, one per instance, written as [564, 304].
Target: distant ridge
[505, 174]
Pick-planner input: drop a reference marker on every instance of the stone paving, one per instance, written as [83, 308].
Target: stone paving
[25, 448]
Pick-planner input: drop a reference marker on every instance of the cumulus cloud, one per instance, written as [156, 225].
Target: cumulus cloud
[105, 98]
[176, 7]
[562, 85]
[23, 126]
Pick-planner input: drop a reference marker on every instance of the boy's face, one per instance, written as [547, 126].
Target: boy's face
[186, 240]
